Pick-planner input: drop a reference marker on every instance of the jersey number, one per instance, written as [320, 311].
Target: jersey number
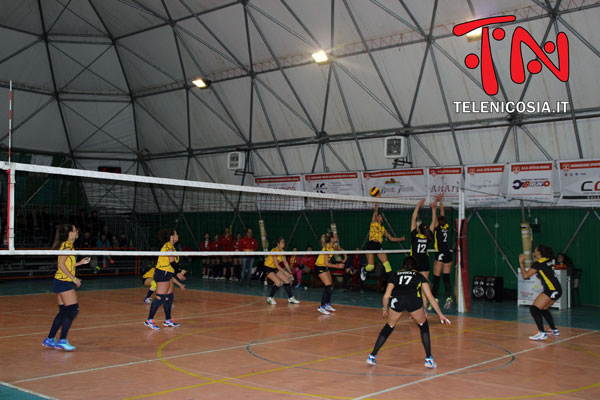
[445, 234]
[421, 248]
[405, 278]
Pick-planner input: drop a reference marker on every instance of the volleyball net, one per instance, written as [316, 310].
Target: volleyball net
[129, 210]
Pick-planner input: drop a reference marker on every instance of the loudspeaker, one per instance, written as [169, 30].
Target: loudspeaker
[494, 286]
[479, 287]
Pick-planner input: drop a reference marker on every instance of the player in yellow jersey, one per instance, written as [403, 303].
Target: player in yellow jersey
[163, 276]
[279, 275]
[544, 268]
[148, 280]
[64, 286]
[322, 265]
[376, 233]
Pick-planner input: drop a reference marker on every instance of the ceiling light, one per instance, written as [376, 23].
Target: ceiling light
[202, 84]
[475, 34]
[320, 56]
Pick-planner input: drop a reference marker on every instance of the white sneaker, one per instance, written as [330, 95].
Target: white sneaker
[371, 360]
[271, 300]
[363, 274]
[292, 300]
[429, 363]
[539, 336]
[329, 308]
[322, 310]
[148, 300]
[222, 277]
[552, 332]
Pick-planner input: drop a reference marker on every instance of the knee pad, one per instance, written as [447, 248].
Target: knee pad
[424, 327]
[153, 286]
[386, 331]
[435, 279]
[71, 311]
[387, 266]
[329, 288]
[369, 267]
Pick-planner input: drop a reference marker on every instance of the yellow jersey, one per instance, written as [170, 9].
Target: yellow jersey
[163, 262]
[69, 263]
[323, 259]
[269, 263]
[376, 231]
[149, 273]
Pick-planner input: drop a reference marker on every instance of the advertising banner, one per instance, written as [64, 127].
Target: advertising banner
[446, 181]
[531, 181]
[288, 182]
[405, 184]
[343, 183]
[483, 184]
[580, 182]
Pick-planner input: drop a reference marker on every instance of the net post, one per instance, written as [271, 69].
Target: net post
[459, 257]
[10, 211]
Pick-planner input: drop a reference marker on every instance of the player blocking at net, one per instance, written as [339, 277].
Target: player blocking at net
[376, 233]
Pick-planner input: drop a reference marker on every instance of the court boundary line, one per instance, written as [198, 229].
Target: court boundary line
[193, 353]
[43, 396]
[429, 378]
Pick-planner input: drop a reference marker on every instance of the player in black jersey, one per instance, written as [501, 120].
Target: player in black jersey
[543, 267]
[443, 257]
[403, 293]
[420, 237]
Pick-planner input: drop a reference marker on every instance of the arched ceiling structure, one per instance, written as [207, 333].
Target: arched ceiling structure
[111, 80]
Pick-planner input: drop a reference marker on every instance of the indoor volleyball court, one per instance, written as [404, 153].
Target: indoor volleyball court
[299, 199]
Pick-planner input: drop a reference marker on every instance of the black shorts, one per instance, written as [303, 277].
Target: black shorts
[554, 294]
[162, 276]
[422, 263]
[320, 270]
[268, 270]
[406, 303]
[443, 256]
[373, 245]
[62, 286]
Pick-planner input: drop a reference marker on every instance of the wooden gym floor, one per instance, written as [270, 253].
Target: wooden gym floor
[234, 346]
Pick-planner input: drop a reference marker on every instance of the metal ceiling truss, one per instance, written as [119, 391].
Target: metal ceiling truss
[321, 138]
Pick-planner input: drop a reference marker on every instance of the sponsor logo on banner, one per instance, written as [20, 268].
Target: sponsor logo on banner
[531, 181]
[291, 182]
[405, 184]
[446, 181]
[343, 183]
[483, 184]
[580, 181]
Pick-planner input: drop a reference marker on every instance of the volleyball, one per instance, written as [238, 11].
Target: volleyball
[374, 191]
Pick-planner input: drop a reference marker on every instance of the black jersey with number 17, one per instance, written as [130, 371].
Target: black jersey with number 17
[407, 283]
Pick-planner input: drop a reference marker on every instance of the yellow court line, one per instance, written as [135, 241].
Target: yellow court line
[226, 380]
[531, 396]
[580, 347]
